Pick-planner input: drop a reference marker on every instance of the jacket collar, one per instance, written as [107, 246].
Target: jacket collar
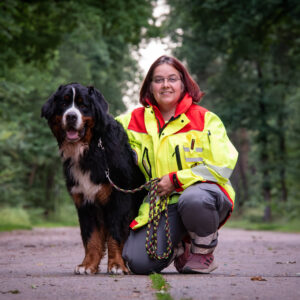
[181, 107]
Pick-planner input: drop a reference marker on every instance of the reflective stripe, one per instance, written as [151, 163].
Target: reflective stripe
[223, 171]
[197, 149]
[202, 171]
[194, 159]
[206, 240]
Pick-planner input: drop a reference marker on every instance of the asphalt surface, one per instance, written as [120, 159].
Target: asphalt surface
[39, 264]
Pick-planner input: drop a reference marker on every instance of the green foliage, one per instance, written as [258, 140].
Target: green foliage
[45, 44]
[14, 218]
[158, 282]
[161, 285]
[245, 55]
[31, 30]
[252, 219]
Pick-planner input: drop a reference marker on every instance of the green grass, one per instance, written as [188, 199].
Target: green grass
[158, 282]
[279, 225]
[19, 218]
[10, 227]
[65, 215]
[252, 219]
[14, 218]
[161, 285]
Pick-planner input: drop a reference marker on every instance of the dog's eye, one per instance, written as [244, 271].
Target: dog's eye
[82, 106]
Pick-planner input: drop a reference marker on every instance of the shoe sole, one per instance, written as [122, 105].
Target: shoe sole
[188, 270]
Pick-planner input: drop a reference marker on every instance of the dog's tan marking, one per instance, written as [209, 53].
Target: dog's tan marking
[55, 126]
[77, 199]
[104, 193]
[94, 252]
[115, 263]
[88, 133]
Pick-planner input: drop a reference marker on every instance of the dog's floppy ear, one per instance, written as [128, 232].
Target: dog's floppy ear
[99, 105]
[48, 108]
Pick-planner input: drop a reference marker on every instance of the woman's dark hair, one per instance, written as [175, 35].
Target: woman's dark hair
[190, 86]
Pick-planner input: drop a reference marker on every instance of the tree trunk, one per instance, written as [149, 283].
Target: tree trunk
[49, 205]
[263, 142]
[239, 179]
[282, 160]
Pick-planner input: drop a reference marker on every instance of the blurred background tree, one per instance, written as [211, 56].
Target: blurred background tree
[246, 55]
[45, 44]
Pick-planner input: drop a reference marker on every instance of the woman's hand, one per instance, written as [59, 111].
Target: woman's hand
[165, 186]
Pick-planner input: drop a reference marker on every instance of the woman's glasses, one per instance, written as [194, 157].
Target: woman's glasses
[160, 80]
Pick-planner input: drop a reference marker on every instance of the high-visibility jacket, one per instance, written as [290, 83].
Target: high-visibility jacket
[191, 147]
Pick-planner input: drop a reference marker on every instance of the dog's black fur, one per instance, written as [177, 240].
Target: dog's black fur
[78, 117]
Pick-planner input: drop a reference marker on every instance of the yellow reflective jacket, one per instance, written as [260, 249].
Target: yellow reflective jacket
[191, 147]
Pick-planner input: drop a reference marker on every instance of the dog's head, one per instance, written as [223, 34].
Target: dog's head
[73, 111]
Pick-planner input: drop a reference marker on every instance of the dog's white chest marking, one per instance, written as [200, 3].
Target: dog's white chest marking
[73, 151]
[84, 184]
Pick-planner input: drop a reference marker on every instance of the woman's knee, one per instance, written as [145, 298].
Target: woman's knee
[136, 256]
[138, 267]
[145, 267]
[196, 199]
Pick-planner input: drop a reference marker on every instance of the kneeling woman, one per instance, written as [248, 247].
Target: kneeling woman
[187, 148]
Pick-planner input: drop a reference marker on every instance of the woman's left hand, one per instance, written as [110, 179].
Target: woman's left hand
[165, 186]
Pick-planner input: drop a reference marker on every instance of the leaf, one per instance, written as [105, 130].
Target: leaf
[258, 278]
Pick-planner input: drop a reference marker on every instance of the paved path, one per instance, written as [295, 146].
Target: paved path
[39, 264]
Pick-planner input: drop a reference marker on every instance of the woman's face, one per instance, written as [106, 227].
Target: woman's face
[166, 87]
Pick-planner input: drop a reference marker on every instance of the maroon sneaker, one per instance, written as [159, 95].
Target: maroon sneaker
[182, 259]
[199, 263]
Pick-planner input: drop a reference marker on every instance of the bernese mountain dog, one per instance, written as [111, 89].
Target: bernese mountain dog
[79, 119]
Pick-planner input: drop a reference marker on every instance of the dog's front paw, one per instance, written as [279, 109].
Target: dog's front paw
[117, 269]
[85, 270]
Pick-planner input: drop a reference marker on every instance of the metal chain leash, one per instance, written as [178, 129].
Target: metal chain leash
[155, 212]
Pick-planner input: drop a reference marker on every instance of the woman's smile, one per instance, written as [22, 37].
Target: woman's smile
[167, 88]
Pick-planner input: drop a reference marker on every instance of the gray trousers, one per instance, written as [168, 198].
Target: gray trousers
[201, 209]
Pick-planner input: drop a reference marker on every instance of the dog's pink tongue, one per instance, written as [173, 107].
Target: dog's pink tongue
[72, 134]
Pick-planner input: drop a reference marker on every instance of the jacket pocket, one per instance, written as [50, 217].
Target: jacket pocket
[146, 162]
[178, 159]
[193, 153]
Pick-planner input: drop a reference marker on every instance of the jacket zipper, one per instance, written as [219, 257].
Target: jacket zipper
[165, 125]
[178, 160]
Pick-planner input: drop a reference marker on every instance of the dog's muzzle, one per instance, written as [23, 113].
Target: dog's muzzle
[73, 127]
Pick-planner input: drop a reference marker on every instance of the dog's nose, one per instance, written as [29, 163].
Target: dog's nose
[71, 117]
